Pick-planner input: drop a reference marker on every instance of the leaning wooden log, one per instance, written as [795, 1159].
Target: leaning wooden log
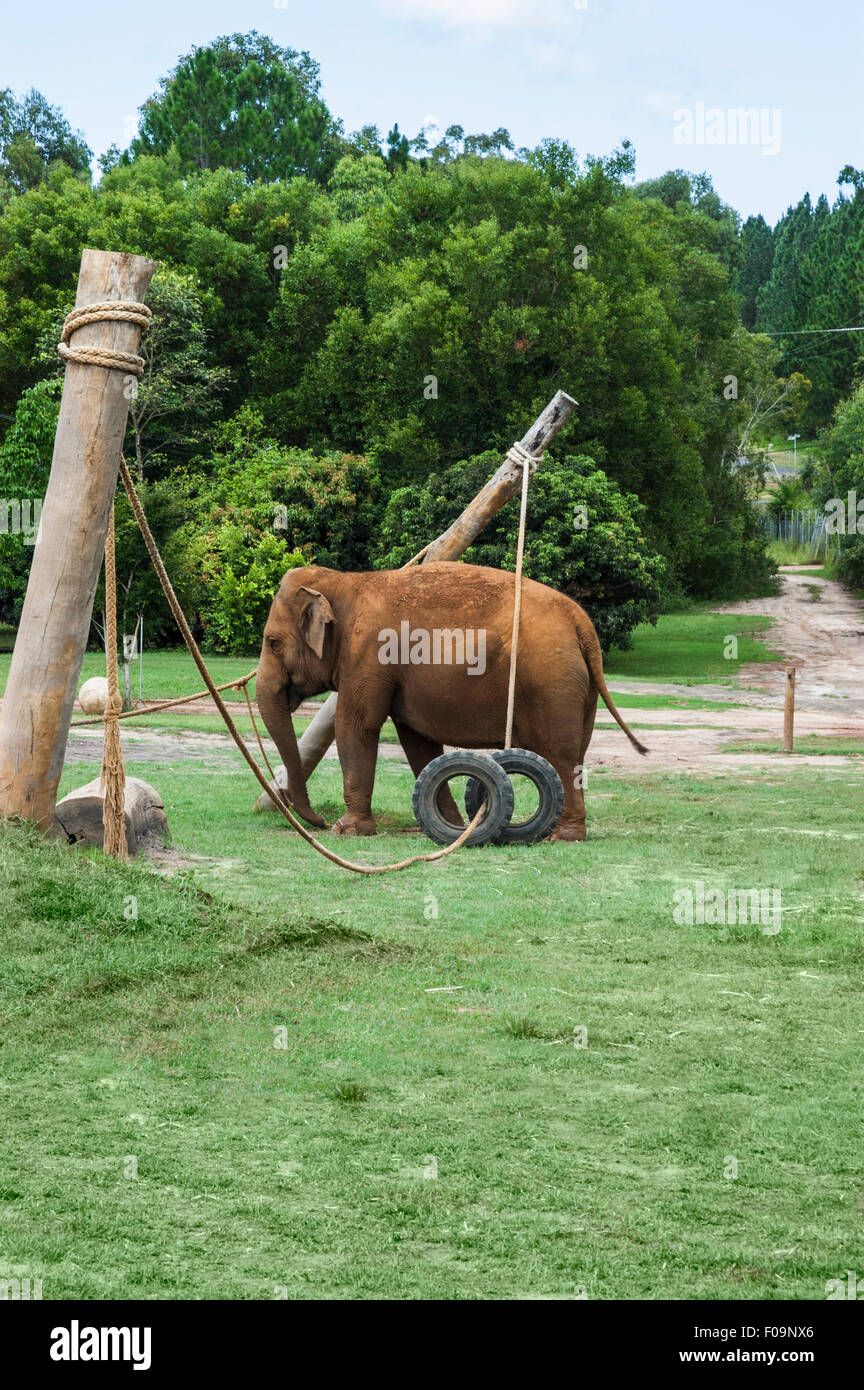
[504, 484]
[450, 545]
[55, 620]
[78, 816]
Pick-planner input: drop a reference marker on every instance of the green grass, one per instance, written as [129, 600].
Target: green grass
[7, 637]
[366, 1088]
[688, 648]
[807, 743]
[630, 699]
[166, 674]
[791, 553]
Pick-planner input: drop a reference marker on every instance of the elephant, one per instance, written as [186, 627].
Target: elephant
[378, 638]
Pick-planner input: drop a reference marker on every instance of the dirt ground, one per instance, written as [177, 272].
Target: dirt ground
[823, 635]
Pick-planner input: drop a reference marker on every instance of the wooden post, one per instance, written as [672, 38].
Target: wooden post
[55, 620]
[504, 484]
[789, 710]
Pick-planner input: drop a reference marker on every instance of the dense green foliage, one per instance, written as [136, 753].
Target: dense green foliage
[805, 275]
[373, 310]
[838, 473]
[33, 137]
[25, 457]
[583, 536]
[259, 510]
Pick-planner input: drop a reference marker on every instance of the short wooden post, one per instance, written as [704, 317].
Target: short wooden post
[789, 710]
[55, 621]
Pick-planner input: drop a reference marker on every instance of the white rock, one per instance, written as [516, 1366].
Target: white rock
[93, 695]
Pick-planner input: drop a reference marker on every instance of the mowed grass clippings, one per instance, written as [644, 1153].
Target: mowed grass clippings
[506, 1075]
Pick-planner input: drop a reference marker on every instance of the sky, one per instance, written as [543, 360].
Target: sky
[672, 76]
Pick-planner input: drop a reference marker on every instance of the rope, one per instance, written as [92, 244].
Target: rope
[281, 806]
[519, 456]
[119, 310]
[112, 783]
[166, 704]
[419, 556]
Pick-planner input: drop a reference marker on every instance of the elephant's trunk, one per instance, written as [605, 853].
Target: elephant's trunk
[276, 714]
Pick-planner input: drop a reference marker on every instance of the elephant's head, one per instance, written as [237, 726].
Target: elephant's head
[297, 660]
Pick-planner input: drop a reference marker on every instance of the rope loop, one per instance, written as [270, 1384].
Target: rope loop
[519, 456]
[116, 310]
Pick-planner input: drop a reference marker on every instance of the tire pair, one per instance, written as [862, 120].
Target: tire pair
[489, 779]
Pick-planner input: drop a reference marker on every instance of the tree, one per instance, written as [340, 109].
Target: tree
[583, 536]
[33, 137]
[397, 150]
[781, 303]
[175, 399]
[840, 470]
[242, 103]
[254, 510]
[25, 462]
[757, 257]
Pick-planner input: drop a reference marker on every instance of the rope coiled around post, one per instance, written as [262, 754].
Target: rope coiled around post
[119, 310]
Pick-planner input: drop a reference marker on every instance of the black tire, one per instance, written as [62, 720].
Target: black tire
[522, 762]
[490, 778]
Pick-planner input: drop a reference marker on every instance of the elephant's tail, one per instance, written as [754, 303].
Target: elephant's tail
[590, 647]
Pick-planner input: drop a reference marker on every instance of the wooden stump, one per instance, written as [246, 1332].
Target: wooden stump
[78, 816]
[789, 711]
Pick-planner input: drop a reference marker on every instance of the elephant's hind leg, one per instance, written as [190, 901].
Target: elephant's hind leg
[420, 750]
[571, 770]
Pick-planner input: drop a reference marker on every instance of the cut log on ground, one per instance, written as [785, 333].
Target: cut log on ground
[504, 484]
[55, 620]
[78, 817]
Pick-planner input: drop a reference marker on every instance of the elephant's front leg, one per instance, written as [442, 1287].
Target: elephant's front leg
[357, 735]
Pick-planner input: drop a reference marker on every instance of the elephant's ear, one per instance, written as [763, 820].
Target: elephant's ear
[317, 613]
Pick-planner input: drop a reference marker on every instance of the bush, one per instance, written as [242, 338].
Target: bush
[260, 510]
[605, 563]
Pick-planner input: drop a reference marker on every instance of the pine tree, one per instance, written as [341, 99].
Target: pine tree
[242, 103]
[757, 251]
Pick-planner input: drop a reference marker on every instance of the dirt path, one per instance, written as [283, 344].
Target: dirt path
[820, 624]
[826, 635]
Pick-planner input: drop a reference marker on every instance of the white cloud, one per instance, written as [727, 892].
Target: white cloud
[482, 18]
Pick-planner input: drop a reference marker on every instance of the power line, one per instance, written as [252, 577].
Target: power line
[795, 332]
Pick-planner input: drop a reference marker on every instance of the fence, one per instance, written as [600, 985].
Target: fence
[801, 527]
